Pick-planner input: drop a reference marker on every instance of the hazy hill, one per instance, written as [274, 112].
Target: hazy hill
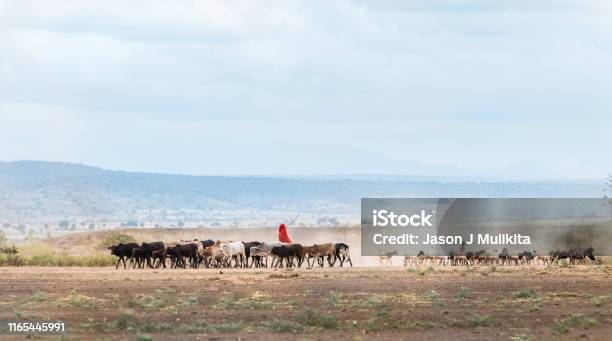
[36, 191]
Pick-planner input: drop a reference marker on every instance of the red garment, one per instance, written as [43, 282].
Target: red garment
[282, 234]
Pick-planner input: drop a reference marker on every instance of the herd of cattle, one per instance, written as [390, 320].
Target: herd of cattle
[210, 253]
[572, 256]
[217, 254]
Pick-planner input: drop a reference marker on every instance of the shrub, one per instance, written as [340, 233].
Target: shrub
[529, 293]
[196, 327]
[192, 300]
[122, 322]
[39, 296]
[423, 325]
[147, 302]
[601, 300]
[433, 296]
[332, 299]
[11, 260]
[476, 320]
[562, 326]
[77, 300]
[230, 302]
[226, 302]
[373, 324]
[422, 272]
[462, 293]
[314, 318]
[156, 327]
[283, 326]
[200, 326]
[225, 327]
[114, 238]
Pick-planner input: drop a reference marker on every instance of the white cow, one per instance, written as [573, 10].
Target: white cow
[233, 250]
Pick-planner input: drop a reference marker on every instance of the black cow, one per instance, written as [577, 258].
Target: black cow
[123, 251]
[506, 258]
[179, 252]
[342, 253]
[148, 249]
[159, 258]
[526, 257]
[578, 256]
[138, 258]
[558, 255]
[208, 242]
[288, 253]
[588, 253]
[247, 251]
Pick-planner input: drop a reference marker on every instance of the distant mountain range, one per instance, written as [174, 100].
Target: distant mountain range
[39, 190]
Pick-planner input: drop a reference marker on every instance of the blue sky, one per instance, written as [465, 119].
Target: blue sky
[309, 87]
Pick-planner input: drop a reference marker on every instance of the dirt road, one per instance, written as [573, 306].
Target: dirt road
[358, 303]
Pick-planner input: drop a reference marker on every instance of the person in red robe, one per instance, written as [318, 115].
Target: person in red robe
[283, 237]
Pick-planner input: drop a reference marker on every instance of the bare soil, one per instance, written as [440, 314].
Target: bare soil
[330, 303]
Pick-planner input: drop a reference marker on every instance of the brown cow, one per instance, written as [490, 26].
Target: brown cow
[319, 252]
[212, 256]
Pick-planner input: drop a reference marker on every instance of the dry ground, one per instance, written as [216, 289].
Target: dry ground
[359, 303]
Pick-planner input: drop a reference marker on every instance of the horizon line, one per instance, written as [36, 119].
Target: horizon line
[339, 176]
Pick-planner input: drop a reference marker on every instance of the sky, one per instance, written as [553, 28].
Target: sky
[310, 87]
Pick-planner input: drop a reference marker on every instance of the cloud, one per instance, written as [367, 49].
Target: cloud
[338, 67]
[29, 131]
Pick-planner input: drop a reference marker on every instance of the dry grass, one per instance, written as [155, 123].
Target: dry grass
[92, 243]
[50, 259]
